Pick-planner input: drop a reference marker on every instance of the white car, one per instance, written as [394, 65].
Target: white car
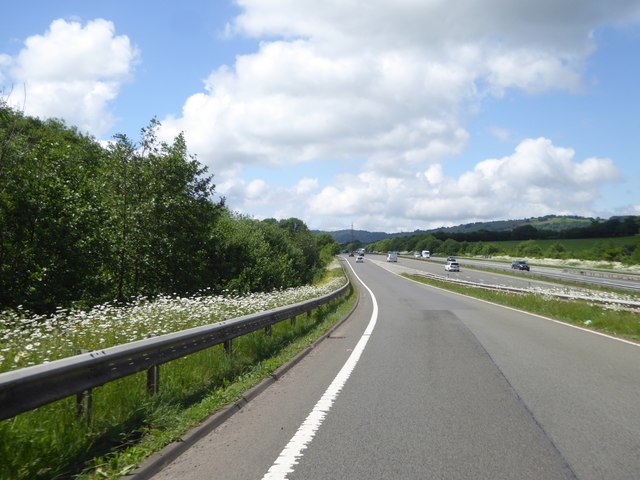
[392, 257]
[360, 259]
[452, 267]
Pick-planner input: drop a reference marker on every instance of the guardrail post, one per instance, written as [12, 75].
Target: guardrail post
[228, 347]
[153, 376]
[267, 330]
[84, 399]
[153, 380]
[293, 321]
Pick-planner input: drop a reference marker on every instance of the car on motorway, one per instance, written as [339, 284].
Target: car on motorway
[417, 255]
[520, 265]
[392, 257]
[451, 258]
[452, 267]
[360, 259]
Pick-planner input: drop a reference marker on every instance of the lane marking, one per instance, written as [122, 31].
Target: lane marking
[549, 319]
[292, 452]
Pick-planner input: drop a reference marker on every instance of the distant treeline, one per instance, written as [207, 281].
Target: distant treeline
[527, 241]
[82, 223]
[614, 227]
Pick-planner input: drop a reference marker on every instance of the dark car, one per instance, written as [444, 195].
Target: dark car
[520, 265]
[451, 258]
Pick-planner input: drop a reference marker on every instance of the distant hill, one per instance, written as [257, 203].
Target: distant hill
[362, 236]
[549, 222]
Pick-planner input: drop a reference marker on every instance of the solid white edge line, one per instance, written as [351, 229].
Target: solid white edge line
[292, 452]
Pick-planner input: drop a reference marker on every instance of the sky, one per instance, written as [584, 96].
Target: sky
[379, 115]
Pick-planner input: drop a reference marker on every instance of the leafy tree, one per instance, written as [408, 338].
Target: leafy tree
[634, 250]
[242, 255]
[484, 249]
[355, 245]
[628, 226]
[300, 238]
[81, 223]
[556, 250]
[48, 213]
[179, 215]
[381, 246]
[529, 249]
[489, 249]
[450, 247]
[326, 247]
[428, 242]
[121, 200]
[607, 250]
[161, 216]
[254, 255]
[525, 232]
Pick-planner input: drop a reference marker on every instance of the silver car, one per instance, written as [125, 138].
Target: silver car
[452, 267]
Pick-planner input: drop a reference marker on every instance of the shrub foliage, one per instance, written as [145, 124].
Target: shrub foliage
[82, 224]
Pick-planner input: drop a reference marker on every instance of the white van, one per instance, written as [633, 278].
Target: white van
[392, 257]
[426, 254]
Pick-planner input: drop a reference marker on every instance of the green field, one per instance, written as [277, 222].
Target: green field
[578, 245]
[581, 248]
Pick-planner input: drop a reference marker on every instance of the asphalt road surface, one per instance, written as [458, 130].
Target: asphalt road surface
[538, 273]
[421, 383]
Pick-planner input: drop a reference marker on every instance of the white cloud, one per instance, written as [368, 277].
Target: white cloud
[306, 186]
[536, 179]
[532, 71]
[393, 86]
[257, 198]
[289, 103]
[71, 72]
[257, 191]
[386, 87]
[386, 83]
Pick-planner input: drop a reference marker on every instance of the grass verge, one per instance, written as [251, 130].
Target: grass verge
[606, 319]
[127, 426]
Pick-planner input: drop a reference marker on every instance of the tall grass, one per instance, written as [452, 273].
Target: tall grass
[27, 339]
[125, 424]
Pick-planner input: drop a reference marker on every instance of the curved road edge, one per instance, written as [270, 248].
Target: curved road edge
[156, 462]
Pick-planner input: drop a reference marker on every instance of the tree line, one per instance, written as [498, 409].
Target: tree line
[82, 223]
[624, 226]
[487, 243]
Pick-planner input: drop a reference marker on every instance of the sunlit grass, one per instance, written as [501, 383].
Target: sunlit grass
[125, 424]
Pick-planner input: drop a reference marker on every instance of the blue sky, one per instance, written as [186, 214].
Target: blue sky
[388, 116]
